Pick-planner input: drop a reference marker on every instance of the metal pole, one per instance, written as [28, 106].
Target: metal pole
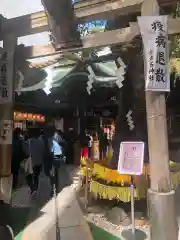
[55, 192]
[132, 212]
[86, 187]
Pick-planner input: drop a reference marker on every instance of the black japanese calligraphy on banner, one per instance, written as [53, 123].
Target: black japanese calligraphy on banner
[161, 58]
[151, 66]
[4, 85]
[161, 41]
[157, 26]
[155, 39]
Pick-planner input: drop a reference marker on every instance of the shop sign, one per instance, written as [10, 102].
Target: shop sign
[18, 116]
[156, 52]
[18, 125]
[131, 158]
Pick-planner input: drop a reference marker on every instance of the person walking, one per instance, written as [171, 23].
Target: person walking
[20, 152]
[103, 143]
[90, 142]
[86, 144]
[36, 148]
[59, 177]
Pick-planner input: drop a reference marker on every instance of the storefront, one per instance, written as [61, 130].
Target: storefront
[25, 120]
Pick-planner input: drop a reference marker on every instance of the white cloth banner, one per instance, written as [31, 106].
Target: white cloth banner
[156, 52]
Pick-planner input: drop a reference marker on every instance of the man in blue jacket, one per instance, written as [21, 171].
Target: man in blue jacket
[59, 176]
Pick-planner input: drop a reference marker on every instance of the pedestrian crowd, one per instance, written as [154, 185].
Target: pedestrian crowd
[38, 150]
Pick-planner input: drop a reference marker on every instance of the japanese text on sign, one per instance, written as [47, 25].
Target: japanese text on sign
[6, 132]
[131, 158]
[156, 56]
[5, 86]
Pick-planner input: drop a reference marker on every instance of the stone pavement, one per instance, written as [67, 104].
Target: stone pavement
[39, 222]
[71, 220]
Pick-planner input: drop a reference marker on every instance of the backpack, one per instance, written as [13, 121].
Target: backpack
[57, 149]
[57, 156]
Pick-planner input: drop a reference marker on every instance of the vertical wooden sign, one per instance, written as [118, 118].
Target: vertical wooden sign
[6, 103]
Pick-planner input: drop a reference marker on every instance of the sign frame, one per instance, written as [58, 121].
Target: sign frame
[121, 169]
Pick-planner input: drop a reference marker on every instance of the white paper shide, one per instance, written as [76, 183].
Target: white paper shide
[156, 55]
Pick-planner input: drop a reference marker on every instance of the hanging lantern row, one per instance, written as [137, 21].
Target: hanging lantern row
[19, 116]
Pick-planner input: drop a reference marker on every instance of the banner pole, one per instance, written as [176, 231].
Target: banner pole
[86, 186]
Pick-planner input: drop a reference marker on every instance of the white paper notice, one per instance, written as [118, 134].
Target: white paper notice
[131, 158]
[156, 55]
[6, 132]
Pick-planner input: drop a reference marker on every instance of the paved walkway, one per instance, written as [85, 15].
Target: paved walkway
[35, 219]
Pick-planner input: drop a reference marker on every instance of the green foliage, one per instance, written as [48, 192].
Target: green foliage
[175, 40]
[175, 46]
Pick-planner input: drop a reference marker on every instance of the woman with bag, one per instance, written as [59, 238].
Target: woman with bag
[36, 148]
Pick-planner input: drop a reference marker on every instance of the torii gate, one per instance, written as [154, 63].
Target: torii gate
[155, 102]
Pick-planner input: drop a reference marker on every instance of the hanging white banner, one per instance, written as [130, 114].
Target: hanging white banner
[156, 55]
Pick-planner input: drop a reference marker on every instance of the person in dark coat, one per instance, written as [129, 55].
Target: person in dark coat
[71, 139]
[19, 153]
[103, 143]
[48, 157]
